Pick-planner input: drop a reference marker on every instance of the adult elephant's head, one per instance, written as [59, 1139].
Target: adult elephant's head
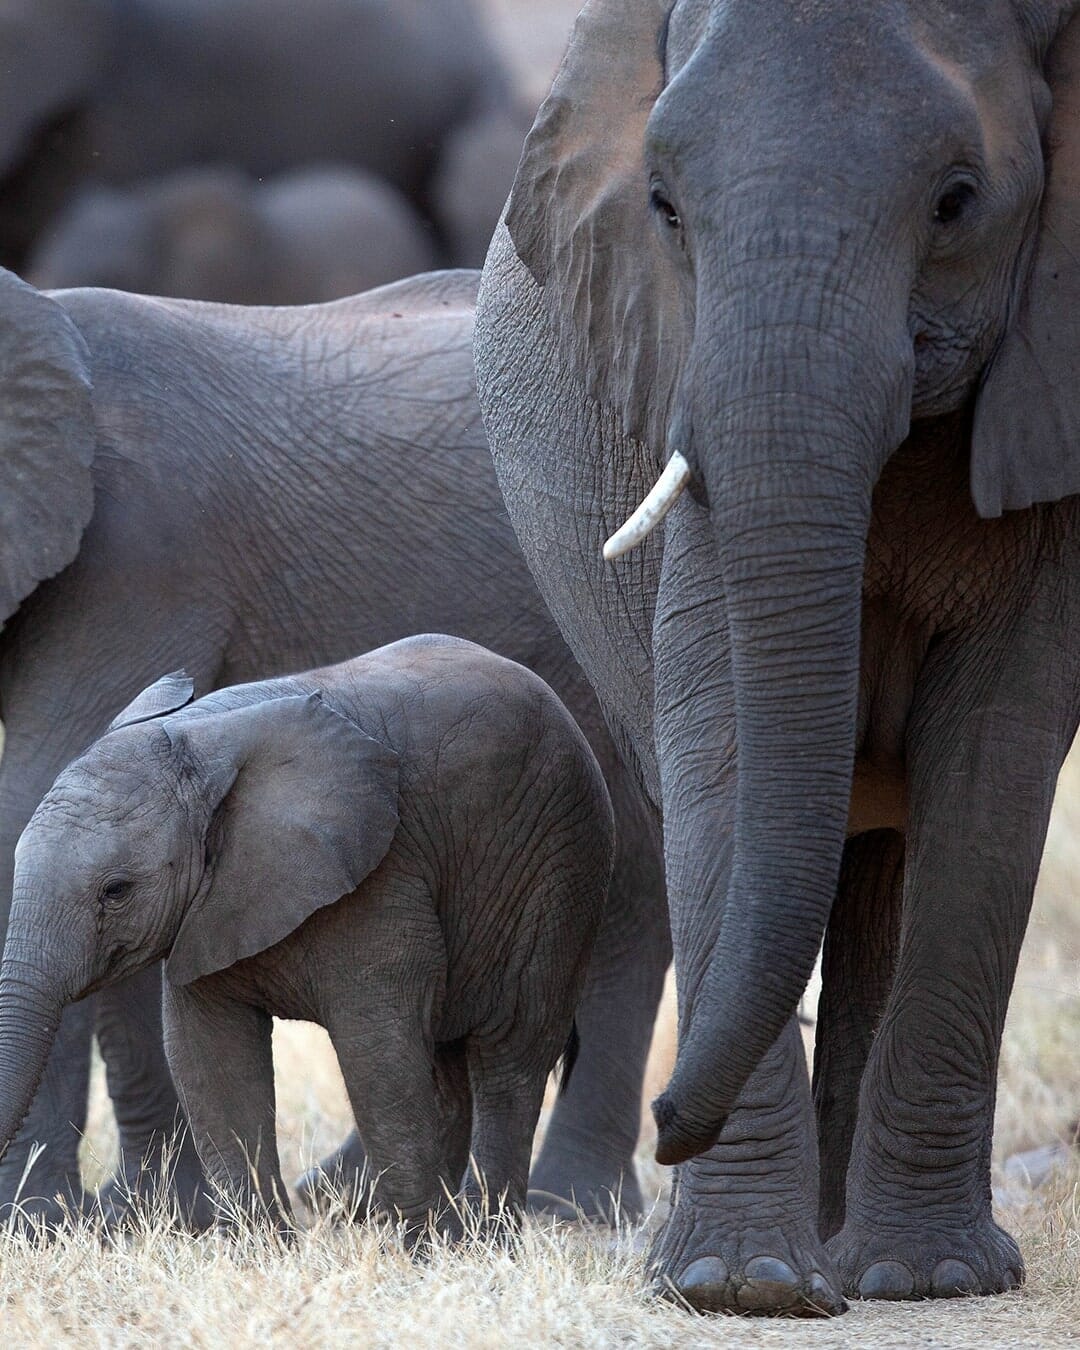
[768, 234]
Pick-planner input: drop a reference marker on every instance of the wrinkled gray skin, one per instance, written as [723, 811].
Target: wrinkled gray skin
[215, 234]
[412, 849]
[117, 90]
[247, 492]
[808, 245]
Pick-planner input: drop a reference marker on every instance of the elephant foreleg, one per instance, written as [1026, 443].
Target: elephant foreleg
[742, 1235]
[157, 1153]
[51, 1134]
[989, 728]
[857, 970]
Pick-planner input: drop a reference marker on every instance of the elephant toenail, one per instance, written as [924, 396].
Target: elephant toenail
[704, 1284]
[1013, 1279]
[770, 1284]
[823, 1297]
[887, 1279]
[952, 1277]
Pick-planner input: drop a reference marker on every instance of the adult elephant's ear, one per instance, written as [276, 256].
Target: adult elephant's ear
[166, 695]
[304, 807]
[1026, 440]
[47, 440]
[578, 216]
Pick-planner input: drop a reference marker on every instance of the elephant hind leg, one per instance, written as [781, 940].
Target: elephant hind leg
[344, 1173]
[586, 1164]
[857, 967]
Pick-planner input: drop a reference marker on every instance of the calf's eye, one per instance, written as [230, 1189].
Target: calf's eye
[113, 890]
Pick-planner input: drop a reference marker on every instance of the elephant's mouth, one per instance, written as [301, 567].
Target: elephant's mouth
[115, 966]
[948, 359]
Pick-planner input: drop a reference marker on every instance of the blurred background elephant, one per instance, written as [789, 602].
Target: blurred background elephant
[217, 234]
[99, 90]
[246, 492]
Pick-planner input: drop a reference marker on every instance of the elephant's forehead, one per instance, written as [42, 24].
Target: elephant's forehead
[92, 806]
[831, 39]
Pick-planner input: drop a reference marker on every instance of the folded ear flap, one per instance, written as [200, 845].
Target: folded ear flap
[305, 807]
[578, 216]
[163, 696]
[1026, 437]
[47, 440]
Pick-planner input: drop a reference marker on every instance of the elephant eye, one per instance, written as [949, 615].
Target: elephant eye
[115, 889]
[663, 208]
[952, 203]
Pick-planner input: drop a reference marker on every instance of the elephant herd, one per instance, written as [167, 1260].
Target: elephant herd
[251, 151]
[759, 640]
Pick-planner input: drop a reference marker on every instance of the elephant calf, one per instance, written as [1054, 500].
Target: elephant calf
[411, 848]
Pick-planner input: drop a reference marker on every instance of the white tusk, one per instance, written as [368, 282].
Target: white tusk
[666, 492]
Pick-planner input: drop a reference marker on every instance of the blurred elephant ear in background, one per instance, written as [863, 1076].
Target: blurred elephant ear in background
[215, 233]
[473, 178]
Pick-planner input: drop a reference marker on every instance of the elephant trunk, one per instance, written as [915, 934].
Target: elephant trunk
[800, 421]
[31, 1002]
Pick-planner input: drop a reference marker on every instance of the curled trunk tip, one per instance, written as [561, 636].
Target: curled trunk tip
[676, 1141]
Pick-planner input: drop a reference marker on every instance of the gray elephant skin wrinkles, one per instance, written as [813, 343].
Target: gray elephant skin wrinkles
[244, 493]
[412, 849]
[828, 254]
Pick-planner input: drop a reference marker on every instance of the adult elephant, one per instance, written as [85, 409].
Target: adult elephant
[116, 90]
[817, 260]
[249, 492]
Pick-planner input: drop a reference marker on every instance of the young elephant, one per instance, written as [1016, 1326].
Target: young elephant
[412, 848]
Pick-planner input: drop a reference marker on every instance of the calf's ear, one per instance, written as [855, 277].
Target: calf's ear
[163, 696]
[304, 807]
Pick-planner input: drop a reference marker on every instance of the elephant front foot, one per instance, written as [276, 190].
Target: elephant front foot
[927, 1262]
[595, 1190]
[734, 1253]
